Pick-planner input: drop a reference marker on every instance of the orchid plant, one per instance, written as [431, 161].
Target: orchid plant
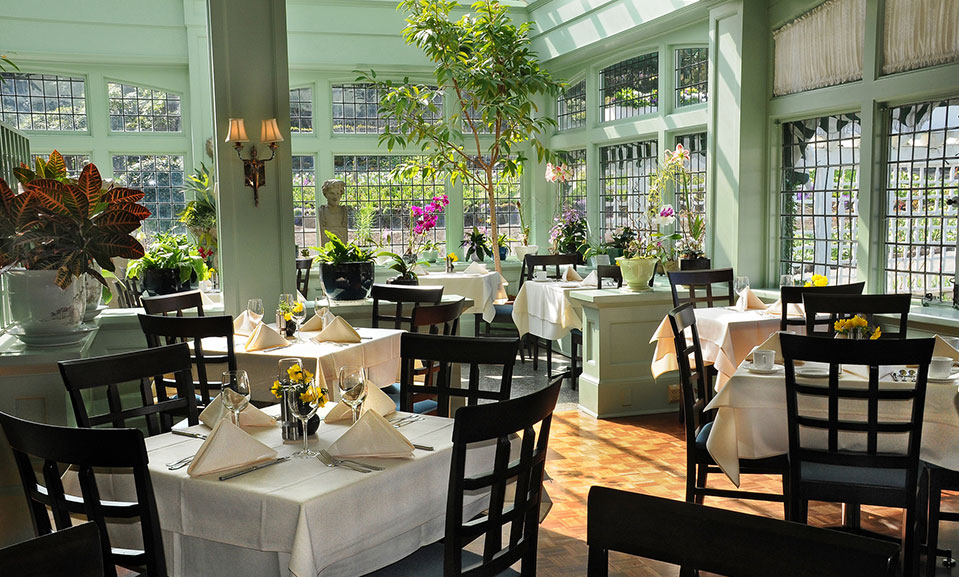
[422, 220]
[692, 226]
[570, 234]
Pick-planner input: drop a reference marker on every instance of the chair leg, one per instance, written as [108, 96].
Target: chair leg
[535, 340]
[549, 359]
[702, 473]
[574, 372]
[691, 471]
[932, 519]
[910, 543]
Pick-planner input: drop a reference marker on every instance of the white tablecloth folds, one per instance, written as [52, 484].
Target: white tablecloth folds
[483, 288]
[544, 309]
[726, 337]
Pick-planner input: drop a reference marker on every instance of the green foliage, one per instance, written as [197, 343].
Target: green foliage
[200, 213]
[335, 251]
[477, 242]
[403, 266]
[171, 251]
[364, 224]
[58, 224]
[486, 61]
[6, 64]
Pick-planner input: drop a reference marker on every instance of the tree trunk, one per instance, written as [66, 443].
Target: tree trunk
[494, 229]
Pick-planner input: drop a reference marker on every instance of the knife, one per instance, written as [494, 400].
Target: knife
[423, 447]
[188, 434]
[253, 468]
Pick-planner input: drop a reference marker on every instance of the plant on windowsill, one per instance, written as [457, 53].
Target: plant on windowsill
[199, 214]
[570, 234]
[59, 229]
[172, 264]
[525, 248]
[403, 266]
[503, 244]
[617, 240]
[477, 244]
[692, 226]
[346, 269]
[422, 220]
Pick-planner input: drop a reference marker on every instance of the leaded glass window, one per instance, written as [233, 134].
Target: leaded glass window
[573, 191]
[301, 110]
[692, 67]
[73, 162]
[625, 171]
[160, 177]
[571, 107]
[304, 201]
[140, 109]
[922, 187]
[476, 205]
[355, 109]
[630, 88]
[43, 102]
[695, 144]
[819, 204]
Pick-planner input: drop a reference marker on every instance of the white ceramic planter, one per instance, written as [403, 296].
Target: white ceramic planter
[637, 272]
[521, 251]
[40, 307]
[91, 286]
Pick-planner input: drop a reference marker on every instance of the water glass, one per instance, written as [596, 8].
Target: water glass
[352, 382]
[235, 392]
[741, 284]
[288, 299]
[283, 367]
[254, 307]
[303, 404]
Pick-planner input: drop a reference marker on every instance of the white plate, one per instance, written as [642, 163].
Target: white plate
[52, 340]
[752, 369]
[812, 372]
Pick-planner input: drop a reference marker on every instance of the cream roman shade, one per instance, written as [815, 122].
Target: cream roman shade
[920, 33]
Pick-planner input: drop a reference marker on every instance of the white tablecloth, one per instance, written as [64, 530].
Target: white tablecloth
[726, 337]
[750, 420]
[379, 353]
[300, 517]
[483, 289]
[544, 309]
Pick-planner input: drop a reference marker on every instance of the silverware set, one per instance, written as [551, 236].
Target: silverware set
[254, 468]
[398, 422]
[180, 464]
[330, 461]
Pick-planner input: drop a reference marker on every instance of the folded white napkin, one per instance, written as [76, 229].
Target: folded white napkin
[264, 337]
[748, 301]
[206, 300]
[570, 274]
[249, 417]
[376, 400]
[590, 280]
[476, 268]
[772, 344]
[315, 323]
[245, 323]
[372, 436]
[299, 297]
[228, 447]
[944, 349]
[794, 309]
[337, 331]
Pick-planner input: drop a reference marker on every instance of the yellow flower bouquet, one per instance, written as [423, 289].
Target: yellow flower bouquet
[818, 280]
[856, 327]
[301, 383]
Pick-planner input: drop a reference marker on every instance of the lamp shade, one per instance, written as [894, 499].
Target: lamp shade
[237, 131]
[269, 131]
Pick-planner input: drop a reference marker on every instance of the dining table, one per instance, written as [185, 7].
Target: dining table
[543, 308]
[299, 517]
[482, 288]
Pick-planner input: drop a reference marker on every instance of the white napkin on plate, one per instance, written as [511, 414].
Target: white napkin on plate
[228, 447]
[315, 323]
[376, 400]
[264, 337]
[476, 268]
[590, 280]
[748, 301]
[337, 331]
[944, 349]
[249, 417]
[570, 274]
[245, 323]
[372, 436]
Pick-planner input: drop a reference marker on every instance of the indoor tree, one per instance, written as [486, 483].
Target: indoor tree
[485, 62]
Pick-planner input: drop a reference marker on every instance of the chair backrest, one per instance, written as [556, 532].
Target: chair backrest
[500, 423]
[543, 261]
[148, 367]
[438, 353]
[128, 293]
[847, 306]
[793, 295]
[303, 266]
[889, 441]
[160, 331]
[668, 530]
[86, 449]
[176, 302]
[609, 271]
[694, 381]
[702, 280]
[72, 552]
[443, 318]
[404, 297]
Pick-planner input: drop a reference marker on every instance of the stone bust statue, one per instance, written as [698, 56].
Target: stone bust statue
[332, 216]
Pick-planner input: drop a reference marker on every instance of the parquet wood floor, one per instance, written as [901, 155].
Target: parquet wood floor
[648, 455]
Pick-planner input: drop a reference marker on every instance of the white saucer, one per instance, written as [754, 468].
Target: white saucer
[946, 381]
[52, 340]
[92, 314]
[812, 372]
[752, 369]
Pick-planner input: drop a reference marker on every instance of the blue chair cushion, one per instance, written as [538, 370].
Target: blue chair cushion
[703, 435]
[419, 407]
[428, 562]
[819, 472]
[503, 309]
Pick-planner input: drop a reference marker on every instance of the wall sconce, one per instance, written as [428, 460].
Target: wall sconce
[254, 171]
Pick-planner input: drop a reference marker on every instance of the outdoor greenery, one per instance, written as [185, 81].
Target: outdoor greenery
[171, 251]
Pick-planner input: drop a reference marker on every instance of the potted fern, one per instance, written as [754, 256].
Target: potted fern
[346, 269]
[171, 265]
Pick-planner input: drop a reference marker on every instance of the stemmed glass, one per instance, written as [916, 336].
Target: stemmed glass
[235, 392]
[303, 402]
[352, 381]
[288, 299]
[741, 284]
[254, 307]
[299, 315]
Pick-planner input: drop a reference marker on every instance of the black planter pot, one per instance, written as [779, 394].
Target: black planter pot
[701, 263]
[163, 281]
[403, 281]
[348, 281]
[503, 251]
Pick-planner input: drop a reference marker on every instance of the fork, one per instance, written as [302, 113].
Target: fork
[180, 464]
[337, 461]
[407, 420]
[329, 461]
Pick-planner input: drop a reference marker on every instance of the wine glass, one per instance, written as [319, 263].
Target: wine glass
[288, 299]
[742, 283]
[283, 367]
[303, 402]
[352, 383]
[235, 392]
[254, 308]
[299, 313]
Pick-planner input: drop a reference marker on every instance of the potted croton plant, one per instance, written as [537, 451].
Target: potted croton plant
[346, 269]
[171, 265]
[57, 230]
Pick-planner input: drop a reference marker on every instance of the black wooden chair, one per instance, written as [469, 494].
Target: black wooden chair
[442, 318]
[439, 353]
[148, 367]
[700, 280]
[933, 482]
[846, 306]
[404, 298]
[611, 271]
[128, 293]
[72, 552]
[724, 542]
[793, 295]
[497, 423]
[160, 331]
[696, 386]
[531, 264]
[303, 267]
[86, 449]
[502, 323]
[176, 302]
[534, 262]
[879, 473]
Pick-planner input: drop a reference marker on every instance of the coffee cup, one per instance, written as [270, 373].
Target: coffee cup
[764, 359]
[539, 275]
[940, 368]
